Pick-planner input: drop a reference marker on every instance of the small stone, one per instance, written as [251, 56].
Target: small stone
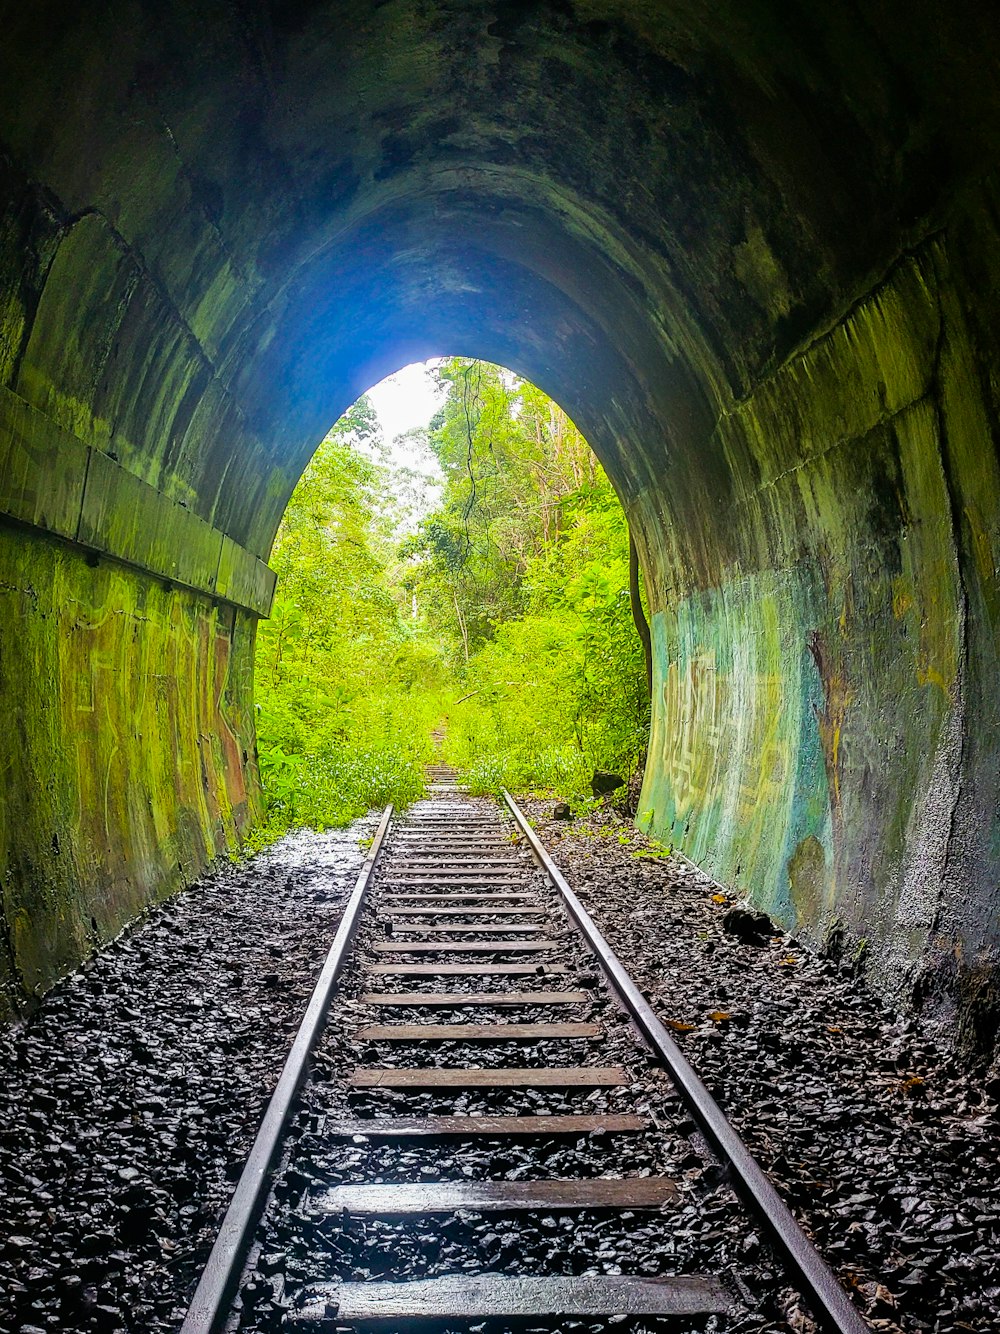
[753, 928]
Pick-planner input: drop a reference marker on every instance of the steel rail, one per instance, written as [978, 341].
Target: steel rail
[815, 1279]
[210, 1305]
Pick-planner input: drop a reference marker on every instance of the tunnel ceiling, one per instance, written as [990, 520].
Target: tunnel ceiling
[645, 208]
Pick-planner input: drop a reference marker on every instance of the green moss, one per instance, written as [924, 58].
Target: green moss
[807, 878]
[759, 271]
[125, 761]
[800, 708]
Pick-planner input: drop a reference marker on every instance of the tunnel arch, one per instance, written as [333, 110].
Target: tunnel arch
[751, 249]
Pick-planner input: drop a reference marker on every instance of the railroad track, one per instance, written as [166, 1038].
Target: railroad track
[488, 1100]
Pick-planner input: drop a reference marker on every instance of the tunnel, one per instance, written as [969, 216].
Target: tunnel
[753, 249]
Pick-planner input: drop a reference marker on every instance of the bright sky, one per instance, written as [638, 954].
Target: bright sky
[403, 401]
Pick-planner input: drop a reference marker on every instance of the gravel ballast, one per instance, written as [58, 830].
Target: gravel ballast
[885, 1145]
[129, 1100]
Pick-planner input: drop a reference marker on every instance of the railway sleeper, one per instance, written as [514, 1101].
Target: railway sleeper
[477, 1297]
[435, 1123]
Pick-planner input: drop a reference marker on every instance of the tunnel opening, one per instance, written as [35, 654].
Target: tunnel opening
[454, 584]
[754, 250]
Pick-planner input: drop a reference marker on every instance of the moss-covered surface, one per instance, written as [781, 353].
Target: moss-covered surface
[752, 248]
[816, 740]
[125, 755]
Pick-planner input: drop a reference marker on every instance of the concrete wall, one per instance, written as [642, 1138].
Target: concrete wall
[827, 726]
[125, 750]
[751, 247]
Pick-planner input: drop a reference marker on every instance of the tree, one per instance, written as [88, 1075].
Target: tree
[527, 560]
[339, 664]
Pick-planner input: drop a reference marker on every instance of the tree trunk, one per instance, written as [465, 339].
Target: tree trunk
[638, 614]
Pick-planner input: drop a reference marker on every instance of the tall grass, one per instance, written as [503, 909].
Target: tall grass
[363, 759]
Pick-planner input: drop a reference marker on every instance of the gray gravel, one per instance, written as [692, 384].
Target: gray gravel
[883, 1142]
[129, 1100]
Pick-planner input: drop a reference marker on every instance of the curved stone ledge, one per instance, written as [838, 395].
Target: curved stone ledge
[51, 480]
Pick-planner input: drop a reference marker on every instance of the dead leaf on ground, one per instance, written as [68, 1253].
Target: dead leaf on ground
[913, 1084]
[679, 1026]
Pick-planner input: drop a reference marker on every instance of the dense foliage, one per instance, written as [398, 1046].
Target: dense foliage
[526, 562]
[345, 681]
[502, 613]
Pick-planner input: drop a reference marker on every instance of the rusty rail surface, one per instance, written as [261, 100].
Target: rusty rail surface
[812, 1275]
[210, 1304]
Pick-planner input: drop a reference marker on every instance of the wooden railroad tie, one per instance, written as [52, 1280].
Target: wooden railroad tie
[458, 837]
[452, 861]
[441, 882]
[466, 843]
[476, 877]
[463, 845]
[430, 910]
[464, 851]
[450, 825]
[483, 969]
[444, 1197]
[452, 946]
[473, 896]
[471, 929]
[427, 1127]
[566, 1076]
[458, 1000]
[462, 1297]
[474, 1032]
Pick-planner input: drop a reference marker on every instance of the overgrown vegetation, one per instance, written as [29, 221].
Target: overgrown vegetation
[346, 683]
[526, 561]
[503, 613]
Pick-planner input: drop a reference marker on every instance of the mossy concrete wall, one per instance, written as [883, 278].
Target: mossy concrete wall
[828, 725]
[751, 247]
[124, 753]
